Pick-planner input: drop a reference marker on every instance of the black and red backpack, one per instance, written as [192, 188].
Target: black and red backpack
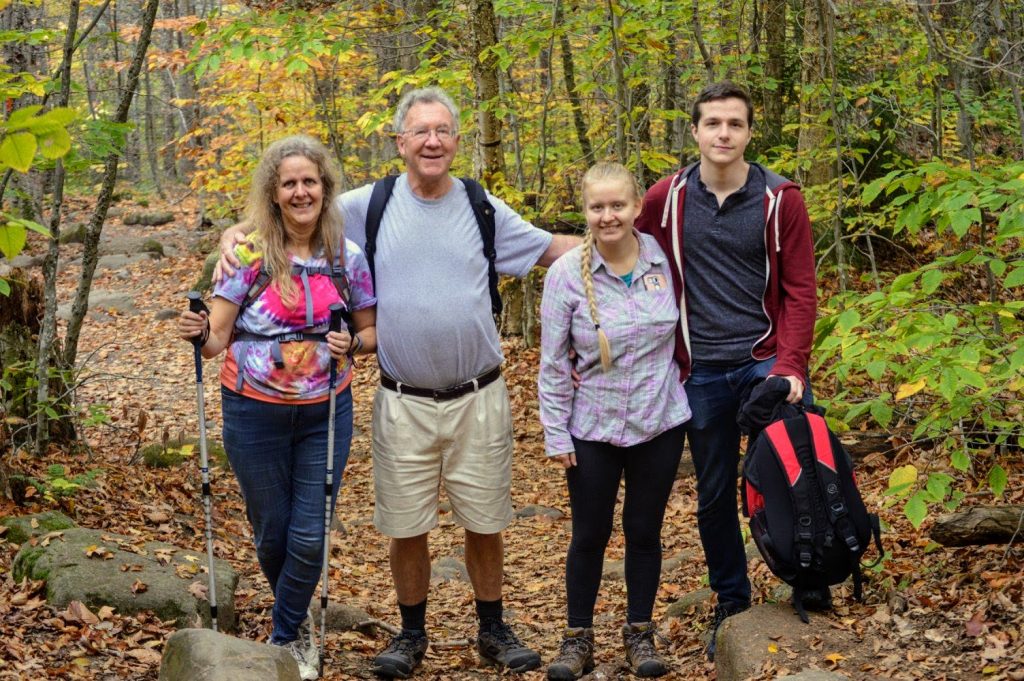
[806, 513]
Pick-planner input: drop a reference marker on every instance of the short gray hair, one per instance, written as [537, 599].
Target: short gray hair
[425, 95]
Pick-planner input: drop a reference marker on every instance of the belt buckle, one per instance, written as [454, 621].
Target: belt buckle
[443, 394]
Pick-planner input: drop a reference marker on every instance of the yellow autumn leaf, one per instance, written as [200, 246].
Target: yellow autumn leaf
[773, 648]
[908, 389]
[834, 658]
[903, 476]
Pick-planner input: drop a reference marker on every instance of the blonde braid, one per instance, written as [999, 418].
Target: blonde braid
[588, 286]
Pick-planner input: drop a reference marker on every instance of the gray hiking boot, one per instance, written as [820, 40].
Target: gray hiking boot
[576, 657]
[402, 656]
[641, 654]
[499, 645]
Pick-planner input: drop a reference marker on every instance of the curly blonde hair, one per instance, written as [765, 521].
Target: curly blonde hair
[604, 170]
[265, 214]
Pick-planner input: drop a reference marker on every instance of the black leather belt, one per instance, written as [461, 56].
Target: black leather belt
[442, 394]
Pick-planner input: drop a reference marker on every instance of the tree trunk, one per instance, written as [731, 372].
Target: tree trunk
[569, 75]
[484, 36]
[775, 64]
[48, 330]
[814, 72]
[980, 525]
[91, 247]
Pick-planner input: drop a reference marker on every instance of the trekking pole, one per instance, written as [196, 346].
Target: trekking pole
[336, 313]
[195, 304]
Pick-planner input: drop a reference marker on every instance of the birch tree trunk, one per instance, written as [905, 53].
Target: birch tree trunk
[484, 36]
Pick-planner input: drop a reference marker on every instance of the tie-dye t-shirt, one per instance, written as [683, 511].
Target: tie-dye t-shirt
[306, 371]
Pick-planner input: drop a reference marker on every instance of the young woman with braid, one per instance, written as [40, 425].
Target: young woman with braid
[611, 300]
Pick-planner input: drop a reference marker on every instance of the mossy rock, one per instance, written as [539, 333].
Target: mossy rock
[21, 528]
[74, 233]
[205, 281]
[148, 219]
[177, 450]
[154, 247]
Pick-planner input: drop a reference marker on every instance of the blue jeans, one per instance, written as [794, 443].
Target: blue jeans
[715, 393]
[278, 453]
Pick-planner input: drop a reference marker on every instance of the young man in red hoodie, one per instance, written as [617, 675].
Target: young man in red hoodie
[739, 242]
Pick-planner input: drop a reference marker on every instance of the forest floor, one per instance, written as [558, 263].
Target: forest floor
[928, 612]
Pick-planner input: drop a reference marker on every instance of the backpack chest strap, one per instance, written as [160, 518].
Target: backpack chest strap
[828, 479]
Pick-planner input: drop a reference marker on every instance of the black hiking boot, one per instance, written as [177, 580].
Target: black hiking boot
[402, 656]
[576, 657]
[499, 645]
[641, 654]
[722, 612]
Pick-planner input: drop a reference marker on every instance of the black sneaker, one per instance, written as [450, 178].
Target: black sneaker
[499, 645]
[402, 656]
[722, 611]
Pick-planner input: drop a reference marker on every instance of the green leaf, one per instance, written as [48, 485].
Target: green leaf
[960, 460]
[5, 288]
[961, 220]
[1014, 278]
[997, 480]
[931, 280]
[848, 319]
[916, 510]
[17, 151]
[55, 144]
[881, 412]
[20, 117]
[12, 239]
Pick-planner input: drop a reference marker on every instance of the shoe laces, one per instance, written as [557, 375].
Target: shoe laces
[574, 646]
[502, 634]
[641, 643]
[406, 643]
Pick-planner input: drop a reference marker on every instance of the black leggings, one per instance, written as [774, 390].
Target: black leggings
[650, 470]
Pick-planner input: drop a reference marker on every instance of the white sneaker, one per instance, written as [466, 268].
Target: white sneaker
[307, 634]
[307, 670]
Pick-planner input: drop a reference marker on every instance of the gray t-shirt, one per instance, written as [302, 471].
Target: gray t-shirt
[434, 323]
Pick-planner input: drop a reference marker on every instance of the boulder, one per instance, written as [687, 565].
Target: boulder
[152, 218]
[103, 302]
[341, 617]
[685, 607]
[21, 528]
[448, 569]
[100, 568]
[205, 655]
[536, 510]
[747, 640]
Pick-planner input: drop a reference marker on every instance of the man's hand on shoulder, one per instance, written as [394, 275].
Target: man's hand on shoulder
[228, 261]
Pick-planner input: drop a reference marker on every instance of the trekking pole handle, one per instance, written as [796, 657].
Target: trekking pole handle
[337, 309]
[196, 304]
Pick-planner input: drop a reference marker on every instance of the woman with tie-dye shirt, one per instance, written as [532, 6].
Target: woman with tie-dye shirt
[275, 378]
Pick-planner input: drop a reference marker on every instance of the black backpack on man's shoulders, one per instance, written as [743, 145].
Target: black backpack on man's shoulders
[482, 210]
[806, 513]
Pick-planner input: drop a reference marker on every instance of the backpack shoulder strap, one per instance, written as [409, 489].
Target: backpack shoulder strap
[258, 286]
[484, 213]
[781, 441]
[828, 479]
[379, 198]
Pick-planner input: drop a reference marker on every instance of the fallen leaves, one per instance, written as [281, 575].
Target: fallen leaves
[97, 551]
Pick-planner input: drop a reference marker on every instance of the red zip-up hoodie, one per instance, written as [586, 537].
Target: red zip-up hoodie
[790, 298]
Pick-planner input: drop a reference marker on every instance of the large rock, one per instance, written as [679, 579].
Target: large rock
[205, 655]
[21, 528]
[148, 218]
[747, 640]
[103, 302]
[99, 568]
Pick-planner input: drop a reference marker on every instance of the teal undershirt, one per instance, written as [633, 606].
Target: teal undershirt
[628, 278]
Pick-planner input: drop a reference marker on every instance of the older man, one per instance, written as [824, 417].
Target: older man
[441, 414]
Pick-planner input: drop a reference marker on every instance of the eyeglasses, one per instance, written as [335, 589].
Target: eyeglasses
[423, 134]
